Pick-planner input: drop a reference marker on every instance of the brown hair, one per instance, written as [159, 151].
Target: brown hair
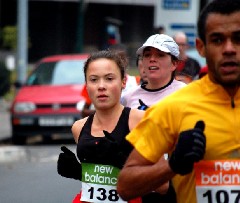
[117, 57]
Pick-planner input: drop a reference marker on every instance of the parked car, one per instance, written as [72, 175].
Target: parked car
[50, 100]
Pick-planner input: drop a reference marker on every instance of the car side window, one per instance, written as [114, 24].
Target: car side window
[42, 75]
[58, 73]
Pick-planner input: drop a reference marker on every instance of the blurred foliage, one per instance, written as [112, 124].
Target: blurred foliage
[133, 71]
[9, 37]
[5, 78]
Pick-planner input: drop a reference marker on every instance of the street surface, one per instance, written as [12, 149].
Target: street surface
[4, 120]
[29, 173]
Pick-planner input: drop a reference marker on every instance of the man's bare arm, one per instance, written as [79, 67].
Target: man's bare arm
[139, 176]
[131, 183]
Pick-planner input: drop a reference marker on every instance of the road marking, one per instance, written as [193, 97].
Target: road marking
[12, 153]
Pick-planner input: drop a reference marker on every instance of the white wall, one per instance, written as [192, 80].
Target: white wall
[178, 15]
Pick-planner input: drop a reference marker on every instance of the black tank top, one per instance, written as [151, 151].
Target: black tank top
[112, 149]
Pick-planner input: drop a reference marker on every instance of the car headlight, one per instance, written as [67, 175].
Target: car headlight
[80, 105]
[24, 107]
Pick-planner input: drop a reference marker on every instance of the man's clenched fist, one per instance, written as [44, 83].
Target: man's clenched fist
[189, 149]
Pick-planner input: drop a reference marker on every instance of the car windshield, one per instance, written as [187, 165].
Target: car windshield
[58, 73]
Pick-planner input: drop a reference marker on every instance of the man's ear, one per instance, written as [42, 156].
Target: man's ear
[200, 46]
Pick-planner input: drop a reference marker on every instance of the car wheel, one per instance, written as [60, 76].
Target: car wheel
[47, 138]
[19, 139]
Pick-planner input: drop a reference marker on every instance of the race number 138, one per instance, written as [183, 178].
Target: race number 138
[100, 193]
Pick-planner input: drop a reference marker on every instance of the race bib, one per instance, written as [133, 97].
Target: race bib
[218, 181]
[99, 183]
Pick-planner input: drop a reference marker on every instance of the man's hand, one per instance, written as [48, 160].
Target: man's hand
[68, 165]
[142, 105]
[189, 149]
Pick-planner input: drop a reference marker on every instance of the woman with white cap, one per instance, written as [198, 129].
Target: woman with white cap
[159, 58]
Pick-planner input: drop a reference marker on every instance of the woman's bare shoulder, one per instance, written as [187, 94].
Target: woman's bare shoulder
[135, 116]
[77, 127]
[137, 113]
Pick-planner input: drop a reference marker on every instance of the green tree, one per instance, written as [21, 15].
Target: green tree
[9, 38]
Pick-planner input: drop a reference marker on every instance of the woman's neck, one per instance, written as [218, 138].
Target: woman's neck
[107, 119]
[157, 83]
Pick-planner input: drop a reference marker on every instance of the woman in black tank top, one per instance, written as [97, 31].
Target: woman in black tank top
[112, 149]
[101, 145]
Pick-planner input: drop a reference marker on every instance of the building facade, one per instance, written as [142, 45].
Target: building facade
[70, 26]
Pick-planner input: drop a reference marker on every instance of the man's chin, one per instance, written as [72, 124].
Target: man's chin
[230, 82]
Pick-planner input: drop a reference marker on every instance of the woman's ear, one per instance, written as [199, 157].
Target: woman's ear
[200, 46]
[124, 82]
[175, 64]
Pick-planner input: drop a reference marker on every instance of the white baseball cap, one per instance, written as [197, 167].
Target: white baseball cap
[161, 42]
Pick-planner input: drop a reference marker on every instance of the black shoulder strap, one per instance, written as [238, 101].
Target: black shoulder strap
[86, 130]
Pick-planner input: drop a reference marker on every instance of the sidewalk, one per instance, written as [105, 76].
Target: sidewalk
[5, 126]
[4, 105]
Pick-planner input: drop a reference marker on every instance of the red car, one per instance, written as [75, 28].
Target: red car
[50, 100]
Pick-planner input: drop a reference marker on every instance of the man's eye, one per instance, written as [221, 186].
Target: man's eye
[236, 39]
[217, 40]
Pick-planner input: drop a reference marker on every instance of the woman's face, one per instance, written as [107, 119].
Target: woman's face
[104, 83]
[157, 64]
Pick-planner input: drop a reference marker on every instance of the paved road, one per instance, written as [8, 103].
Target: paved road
[29, 173]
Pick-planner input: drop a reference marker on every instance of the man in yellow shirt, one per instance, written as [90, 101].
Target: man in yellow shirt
[198, 126]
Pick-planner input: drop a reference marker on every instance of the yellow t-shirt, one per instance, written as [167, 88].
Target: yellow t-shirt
[203, 100]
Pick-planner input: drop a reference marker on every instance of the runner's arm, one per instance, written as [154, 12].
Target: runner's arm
[130, 182]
